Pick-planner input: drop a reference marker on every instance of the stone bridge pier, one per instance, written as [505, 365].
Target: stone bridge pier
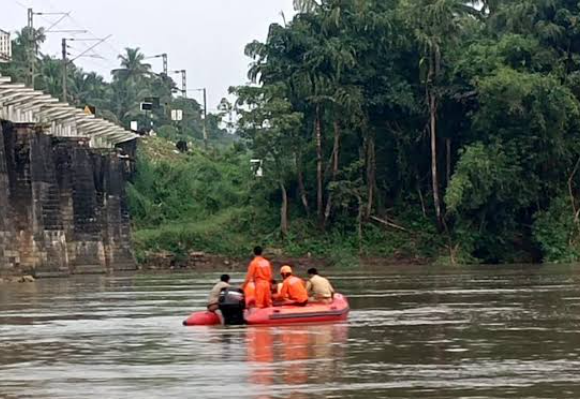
[63, 205]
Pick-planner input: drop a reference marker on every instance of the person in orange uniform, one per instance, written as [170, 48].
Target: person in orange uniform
[293, 288]
[276, 288]
[250, 294]
[260, 272]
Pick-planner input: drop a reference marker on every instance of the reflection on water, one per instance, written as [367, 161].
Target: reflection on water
[290, 358]
[510, 332]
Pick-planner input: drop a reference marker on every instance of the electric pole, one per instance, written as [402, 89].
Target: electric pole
[165, 62]
[32, 50]
[64, 70]
[183, 73]
[31, 46]
[205, 131]
[66, 61]
[184, 82]
[205, 136]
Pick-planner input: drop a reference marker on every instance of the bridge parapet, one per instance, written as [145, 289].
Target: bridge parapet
[23, 105]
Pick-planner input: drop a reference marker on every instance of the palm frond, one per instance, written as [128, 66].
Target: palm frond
[306, 6]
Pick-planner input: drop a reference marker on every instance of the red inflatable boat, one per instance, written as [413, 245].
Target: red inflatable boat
[203, 319]
[313, 313]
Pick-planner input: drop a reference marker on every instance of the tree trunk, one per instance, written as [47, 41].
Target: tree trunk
[360, 223]
[434, 169]
[572, 197]
[336, 150]
[335, 165]
[301, 189]
[371, 175]
[319, 168]
[448, 163]
[284, 211]
[421, 199]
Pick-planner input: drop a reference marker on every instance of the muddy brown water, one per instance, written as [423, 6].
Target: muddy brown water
[428, 332]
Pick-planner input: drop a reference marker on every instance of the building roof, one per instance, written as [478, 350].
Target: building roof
[21, 104]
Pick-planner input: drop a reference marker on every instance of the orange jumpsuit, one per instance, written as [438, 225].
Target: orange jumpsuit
[250, 294]
[260, 272]
[294, 290]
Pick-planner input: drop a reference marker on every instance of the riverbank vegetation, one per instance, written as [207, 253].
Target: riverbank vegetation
[459, 117]
[446, 130]
[211, 201]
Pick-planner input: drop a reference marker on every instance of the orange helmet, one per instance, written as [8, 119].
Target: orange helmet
[286, 270]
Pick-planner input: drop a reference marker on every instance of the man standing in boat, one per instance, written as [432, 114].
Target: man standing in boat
[260, 273]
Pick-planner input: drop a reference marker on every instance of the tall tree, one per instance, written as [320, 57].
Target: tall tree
[436, 25]
[133, 67]
[269, 123]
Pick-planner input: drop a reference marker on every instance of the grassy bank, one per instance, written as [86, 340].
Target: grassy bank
[211, 202]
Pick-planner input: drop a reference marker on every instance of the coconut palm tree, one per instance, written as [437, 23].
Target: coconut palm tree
[51, 77]
[307, 6]
[132, 66]
[88, 88]
[24, 50]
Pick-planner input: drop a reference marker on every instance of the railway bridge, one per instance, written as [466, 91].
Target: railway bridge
[63, 205]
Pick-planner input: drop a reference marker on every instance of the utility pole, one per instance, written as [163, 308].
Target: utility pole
[64, 70]
[165, 64]
[32, 45]
[32, 50]
[66, 61]
[184, 83]
[205, 130]
[183, 73]
[205, 136]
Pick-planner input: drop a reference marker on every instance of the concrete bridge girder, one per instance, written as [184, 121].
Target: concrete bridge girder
[24, 105]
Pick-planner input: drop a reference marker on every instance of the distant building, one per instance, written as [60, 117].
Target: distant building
[5, 46]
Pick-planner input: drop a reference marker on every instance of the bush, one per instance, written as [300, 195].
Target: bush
[210, 202]
[556, 232]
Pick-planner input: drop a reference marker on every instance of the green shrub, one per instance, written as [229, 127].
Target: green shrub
[556, 232]
[211, 202]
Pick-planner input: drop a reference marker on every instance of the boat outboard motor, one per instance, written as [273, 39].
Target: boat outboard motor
[232, 304]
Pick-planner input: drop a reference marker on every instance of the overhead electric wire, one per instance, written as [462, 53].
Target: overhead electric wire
[112, 53]
[93, 54]
[79, 24]
[90, 48]
[20, 4]
[88, 51]
[48, 30]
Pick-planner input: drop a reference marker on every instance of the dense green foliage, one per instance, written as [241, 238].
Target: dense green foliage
[464, 114]
[197, 200]
[432, 128]
[211, 201]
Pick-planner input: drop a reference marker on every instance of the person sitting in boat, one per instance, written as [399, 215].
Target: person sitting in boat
[260, 272]
[276, 288]
[214, 294]
[293, 288]
[318, 287]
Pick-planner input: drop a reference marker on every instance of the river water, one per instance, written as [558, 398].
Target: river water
[485, 332]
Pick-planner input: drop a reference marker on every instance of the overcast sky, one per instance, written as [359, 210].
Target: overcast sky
[205, 37]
